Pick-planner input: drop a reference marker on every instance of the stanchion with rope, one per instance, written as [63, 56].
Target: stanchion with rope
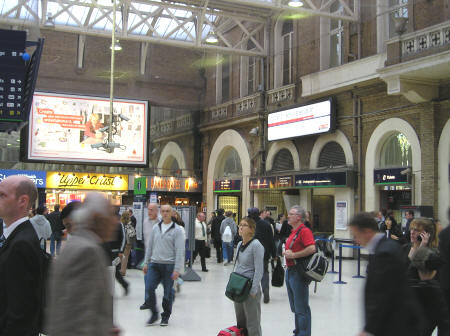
[340, 282]
[359, 276]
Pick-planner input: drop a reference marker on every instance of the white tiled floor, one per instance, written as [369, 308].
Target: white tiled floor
[202, 308]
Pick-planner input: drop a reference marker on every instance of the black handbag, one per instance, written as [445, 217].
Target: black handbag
[278, 275]
[238, 287]
[207, 252]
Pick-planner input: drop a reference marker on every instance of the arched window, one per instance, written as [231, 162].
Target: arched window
[251, 78]
[396, 152]
[332, 155]
[174, 167]
[232, 165]
[283, 160]
[287, 36]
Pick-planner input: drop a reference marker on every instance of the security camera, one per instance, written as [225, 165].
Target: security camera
[254, 131]
[406, 171]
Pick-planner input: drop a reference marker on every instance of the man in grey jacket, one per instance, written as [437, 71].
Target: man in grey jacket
[164, 261]
[228, 242]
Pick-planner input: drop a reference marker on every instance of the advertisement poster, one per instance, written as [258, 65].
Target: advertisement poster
[341, 215]
[76, 128]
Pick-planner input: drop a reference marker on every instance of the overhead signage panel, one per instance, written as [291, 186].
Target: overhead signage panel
[390, 176]
[303, 120]
[88, 181]
[68, 128]
[263, 183]
[227, 186]
[322, 180]
[38, 177]
[285, 181]
[172, 184]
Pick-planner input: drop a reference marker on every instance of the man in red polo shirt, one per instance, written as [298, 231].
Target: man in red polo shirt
[300, 244]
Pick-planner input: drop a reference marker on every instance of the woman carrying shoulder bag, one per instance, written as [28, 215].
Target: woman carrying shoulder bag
[250, 263]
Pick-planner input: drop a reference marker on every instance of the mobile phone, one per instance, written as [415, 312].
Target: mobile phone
[419, 238]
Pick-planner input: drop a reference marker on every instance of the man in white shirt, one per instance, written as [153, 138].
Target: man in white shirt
[200, 239]
[21, 263]
[153, 212]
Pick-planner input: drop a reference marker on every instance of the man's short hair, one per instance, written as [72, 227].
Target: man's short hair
[27, 187]
[69, 208]
[41, 209]
[56, 208]
[364, 220]
[410, 212]
[228, 213]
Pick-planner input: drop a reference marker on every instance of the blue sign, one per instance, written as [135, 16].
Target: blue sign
[38, 177]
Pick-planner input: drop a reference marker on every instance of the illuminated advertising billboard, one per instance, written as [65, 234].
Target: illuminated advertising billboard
[302, 120]
[68, 128]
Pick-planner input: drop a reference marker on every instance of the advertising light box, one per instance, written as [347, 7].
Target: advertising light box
[302, 120]
[76, 128]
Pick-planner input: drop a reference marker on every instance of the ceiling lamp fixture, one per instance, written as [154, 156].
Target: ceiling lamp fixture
[295, 3]
[49, 23]
[117, 46]
[211, 38]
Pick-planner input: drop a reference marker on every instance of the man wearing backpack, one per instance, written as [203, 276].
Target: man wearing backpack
[300, 244]
[228, 230]
[21, 264]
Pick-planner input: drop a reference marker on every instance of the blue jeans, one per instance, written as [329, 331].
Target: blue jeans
[228, 251]
[298, 293]
[55, 238]
[156, 274]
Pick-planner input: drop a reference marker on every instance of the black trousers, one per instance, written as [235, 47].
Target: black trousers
[200, 246]
[218, 247]
[118, 275]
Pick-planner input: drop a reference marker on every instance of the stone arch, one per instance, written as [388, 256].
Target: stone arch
[171, 152]
[443, 172]
[376, 141]
[275, 147]
[229, 138]
[322, 140]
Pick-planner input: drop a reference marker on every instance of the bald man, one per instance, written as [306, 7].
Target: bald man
[164, 261]
[21, 277]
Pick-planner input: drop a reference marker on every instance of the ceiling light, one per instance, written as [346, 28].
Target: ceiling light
[49, 23]
[117, 46]
[295, 3]
[211, 38]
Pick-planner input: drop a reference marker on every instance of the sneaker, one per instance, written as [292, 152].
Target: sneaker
[153, 319]
[164, 322]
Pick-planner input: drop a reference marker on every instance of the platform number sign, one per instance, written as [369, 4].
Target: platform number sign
[12, 75]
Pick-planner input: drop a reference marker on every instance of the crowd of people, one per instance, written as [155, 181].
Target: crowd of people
[407, 290]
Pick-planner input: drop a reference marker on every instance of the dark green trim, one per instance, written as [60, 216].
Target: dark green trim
[391, 183]
[226, 191]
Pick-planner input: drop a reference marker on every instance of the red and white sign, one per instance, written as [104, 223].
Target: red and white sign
[75, 129]
[298, 121]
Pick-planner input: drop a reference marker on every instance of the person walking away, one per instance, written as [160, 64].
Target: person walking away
[164, 261]
[444, 249]
[42, 226]
[200, 240]
[228, 230]
[57, 231]
[153, 213]
[21, 271]
[66, 217]
[250, 263]
[132, 218]
[265, 236]
[80, 284]
[386, 264]
[130, 239]
[216, 236]
[300, 244]
[429, 294]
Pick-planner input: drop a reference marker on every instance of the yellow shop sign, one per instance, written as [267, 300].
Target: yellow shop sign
[91, 181]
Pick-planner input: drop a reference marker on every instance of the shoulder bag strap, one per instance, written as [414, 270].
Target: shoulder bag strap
[295, 238]
[239, 250]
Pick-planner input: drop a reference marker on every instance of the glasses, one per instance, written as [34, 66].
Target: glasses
[243, 225]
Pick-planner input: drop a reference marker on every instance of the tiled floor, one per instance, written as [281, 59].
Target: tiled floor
[202, 308]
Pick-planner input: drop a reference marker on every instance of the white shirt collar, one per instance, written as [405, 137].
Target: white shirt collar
[13, 226]
[372, 245]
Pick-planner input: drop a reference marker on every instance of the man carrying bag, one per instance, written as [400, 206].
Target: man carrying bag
[299, 246]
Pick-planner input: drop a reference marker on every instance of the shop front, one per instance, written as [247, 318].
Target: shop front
[65, 187]
[38, 177]
[228, 196]
[177, 191]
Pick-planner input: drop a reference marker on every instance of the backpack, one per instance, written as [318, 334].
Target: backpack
[46, 259]
[313, 267]
[227, 236]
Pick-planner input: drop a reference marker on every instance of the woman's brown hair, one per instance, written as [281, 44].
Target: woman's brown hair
[426, 225]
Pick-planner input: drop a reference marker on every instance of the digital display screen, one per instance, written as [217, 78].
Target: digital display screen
[77, 129]
[299, 121]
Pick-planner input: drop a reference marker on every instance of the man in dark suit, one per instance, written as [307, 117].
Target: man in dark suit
[388, 304]
[57, 230]
[20, 260]
[444, 272]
